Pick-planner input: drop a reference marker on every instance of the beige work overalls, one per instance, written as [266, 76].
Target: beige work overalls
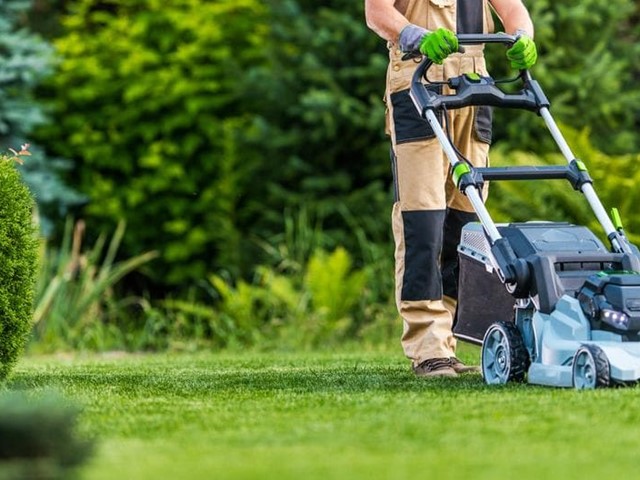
[429, 211]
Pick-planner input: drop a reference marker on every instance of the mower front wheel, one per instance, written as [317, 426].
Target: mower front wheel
[591, 368]
[504, 356]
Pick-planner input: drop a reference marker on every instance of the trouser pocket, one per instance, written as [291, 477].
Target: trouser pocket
[409, 126]
[483, 123]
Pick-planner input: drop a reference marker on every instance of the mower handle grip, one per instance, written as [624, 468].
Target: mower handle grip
[478, 38]
[466, 39]
[469, 92]
[472, 39]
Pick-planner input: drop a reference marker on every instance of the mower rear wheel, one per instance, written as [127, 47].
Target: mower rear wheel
[504, 356]
[591, 368]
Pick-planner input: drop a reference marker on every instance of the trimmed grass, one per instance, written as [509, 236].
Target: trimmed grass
[331, 415]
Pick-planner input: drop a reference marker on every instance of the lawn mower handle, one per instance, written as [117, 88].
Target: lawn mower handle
[475, 90]
[472, 90]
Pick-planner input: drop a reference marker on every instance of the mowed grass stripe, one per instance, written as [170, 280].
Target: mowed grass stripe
[331, 415]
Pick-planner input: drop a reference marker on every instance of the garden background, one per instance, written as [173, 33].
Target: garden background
[215, 174]
[213, 187]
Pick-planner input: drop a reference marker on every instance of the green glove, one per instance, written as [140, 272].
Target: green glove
[523, 53]
[439, 44]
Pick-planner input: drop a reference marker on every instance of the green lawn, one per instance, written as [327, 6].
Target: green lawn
[331, 415]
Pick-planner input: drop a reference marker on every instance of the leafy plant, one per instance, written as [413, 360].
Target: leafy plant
[316, 307]
[188, 324]
[335, 291]
[18, 262]
[75, 302]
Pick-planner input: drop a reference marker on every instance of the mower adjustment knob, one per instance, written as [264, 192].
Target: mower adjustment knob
[519, 288]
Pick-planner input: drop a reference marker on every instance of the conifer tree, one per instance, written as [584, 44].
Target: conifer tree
[25, 59]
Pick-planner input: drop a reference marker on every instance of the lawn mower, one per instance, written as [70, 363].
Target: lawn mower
[548, 301]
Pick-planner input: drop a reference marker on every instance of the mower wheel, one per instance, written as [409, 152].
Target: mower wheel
[504, 355]
[591, 368]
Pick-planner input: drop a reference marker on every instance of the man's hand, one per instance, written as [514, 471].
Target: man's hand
[439, 44]
[523, 54]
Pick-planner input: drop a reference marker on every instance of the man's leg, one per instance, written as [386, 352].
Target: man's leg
[418, 219]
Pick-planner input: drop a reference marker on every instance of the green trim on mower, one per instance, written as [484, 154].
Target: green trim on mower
[581, 166]
[460, 169]
[617, 220]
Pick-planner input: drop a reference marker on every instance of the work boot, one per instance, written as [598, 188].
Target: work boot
[435, 367]
[460, 367]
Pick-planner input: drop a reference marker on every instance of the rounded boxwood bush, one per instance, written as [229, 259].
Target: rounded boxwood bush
[18, 260]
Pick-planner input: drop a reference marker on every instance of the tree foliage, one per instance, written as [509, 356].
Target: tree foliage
[329, 131]
[25, 59]
[155, 120]
[587, 65]
[201, 123]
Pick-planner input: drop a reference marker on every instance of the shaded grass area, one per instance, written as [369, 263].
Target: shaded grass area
[331, 415]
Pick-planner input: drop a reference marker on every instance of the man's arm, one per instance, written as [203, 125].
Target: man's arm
[514, 16]
[516, 20]
[383, 18]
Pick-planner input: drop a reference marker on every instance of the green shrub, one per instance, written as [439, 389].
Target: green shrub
[317, 307]
[18, 264]
[146, 101]
[39, 438]
[335, 291]
[201, 122]
[616, 179]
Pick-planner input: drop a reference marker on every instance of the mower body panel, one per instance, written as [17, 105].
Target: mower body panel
[566, 260]
[561, 334]
[561, 257]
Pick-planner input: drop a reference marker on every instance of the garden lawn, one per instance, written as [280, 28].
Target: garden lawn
[331, 415]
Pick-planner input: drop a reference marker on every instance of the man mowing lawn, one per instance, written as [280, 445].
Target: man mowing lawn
[429, 212]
